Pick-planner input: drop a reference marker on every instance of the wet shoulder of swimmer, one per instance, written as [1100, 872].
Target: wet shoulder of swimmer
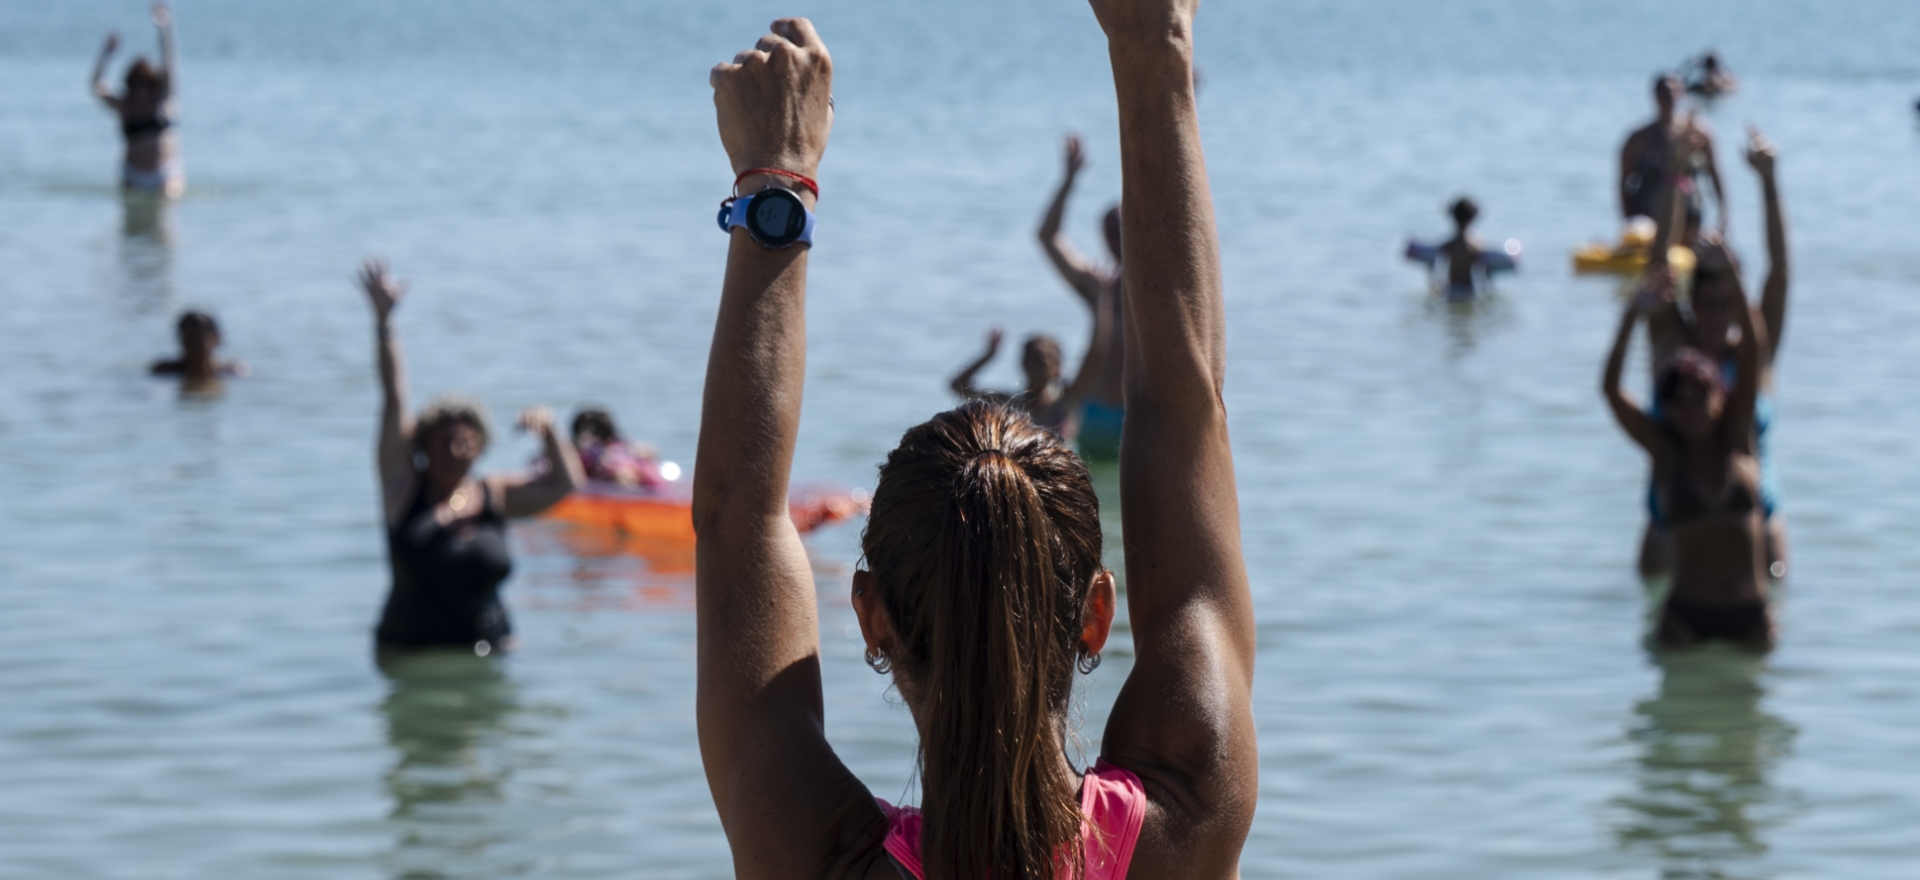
[198, 360]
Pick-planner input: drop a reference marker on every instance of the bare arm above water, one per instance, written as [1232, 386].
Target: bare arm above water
[1773, 293]
[789, 807]
[1079, 272]
[1654, 296]
[962, 383]
[394, 450]
[97, 80]
[1183, 720]
[523, 497]
[169, 57]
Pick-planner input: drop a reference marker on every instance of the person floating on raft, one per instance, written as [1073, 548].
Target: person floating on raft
[1470, 267]
[612, 460]
[630, 490]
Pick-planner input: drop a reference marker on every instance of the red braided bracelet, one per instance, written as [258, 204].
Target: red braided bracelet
[802, 179]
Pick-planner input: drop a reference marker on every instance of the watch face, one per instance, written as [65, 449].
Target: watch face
[776, 217]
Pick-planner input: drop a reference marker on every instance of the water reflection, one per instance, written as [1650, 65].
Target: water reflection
[446, 715]
[146, 250]
[1467, 320]
[1708, 748]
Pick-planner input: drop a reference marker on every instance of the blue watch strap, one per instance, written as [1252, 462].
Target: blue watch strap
[733, 215]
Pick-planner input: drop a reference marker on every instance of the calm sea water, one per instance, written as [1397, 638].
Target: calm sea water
[1440, 518]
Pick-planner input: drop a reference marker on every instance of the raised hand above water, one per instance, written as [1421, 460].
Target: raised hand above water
[774, 101]
[383, 290]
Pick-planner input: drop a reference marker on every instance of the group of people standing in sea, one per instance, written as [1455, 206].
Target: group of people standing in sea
[981, 591]
[1715, 530]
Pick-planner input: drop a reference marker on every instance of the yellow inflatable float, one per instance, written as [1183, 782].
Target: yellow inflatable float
[1630, 255]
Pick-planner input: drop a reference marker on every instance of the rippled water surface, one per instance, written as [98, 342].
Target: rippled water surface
[1439, 516]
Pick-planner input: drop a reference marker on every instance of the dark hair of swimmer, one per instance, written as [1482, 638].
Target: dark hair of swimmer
[1666, 88]
[193, 321]
[1463, 211]
[142, 75]
[983, 541]
[1689, 367]
[595, 423]
[1041, 356]
[1110, 225]
[446, 413]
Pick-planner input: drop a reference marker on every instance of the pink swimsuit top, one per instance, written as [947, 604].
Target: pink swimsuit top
[1112, 800]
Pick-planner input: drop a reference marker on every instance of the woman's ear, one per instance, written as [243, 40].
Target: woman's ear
[1096, 620]
[875, 626]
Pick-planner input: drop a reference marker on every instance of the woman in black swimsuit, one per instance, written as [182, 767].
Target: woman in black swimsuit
[1707, 480]
[447, 529]
[146, 110]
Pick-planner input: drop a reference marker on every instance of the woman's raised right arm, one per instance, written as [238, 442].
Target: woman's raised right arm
[1079, 273]
[962, 383]
[394, 451]
[1635, 421]
[97, 80]
[1183, 721]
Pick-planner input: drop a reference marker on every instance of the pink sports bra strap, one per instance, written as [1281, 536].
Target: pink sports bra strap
[1112, 800]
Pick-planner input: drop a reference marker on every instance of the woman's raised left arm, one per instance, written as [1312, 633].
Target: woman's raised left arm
[564, 473]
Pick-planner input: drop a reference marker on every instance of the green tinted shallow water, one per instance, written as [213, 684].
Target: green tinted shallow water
[1439, 516]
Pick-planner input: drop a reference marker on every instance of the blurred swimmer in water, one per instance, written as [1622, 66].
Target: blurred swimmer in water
[198, 363]
[1706, 478]
[1099, 287]
[1470, 266]
[447, 528]
[1647, 166]
[1708, 79]
[1713, 328]
[1049, 400]
[146, 108]
[606, 457]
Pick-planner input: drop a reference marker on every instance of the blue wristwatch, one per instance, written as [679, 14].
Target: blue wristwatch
[775, 217]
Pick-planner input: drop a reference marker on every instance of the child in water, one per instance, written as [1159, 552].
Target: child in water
[199, 339]
[1469, 266]
[609, 458]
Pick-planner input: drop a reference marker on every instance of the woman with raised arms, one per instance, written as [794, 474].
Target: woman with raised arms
[981, 590]
[446, 527]
[1706, 477]
[146, 109]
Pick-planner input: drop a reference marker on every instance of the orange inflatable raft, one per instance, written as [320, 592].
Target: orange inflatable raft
[660, 527]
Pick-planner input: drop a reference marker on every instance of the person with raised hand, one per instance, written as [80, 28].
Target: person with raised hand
[446, 528]
[1102, 412]
[1706, 479]
[146, 109]
[1712, 328]
[1051, 400]
[982, 589]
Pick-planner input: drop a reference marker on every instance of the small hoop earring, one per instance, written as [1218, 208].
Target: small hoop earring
[1088, 663]
[879, 660]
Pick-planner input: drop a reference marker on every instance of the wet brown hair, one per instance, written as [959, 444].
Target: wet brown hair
[983, 541]
[1688, 366]
[448, 411]
[142, 75]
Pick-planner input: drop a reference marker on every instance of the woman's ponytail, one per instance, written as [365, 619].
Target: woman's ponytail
[984, 537]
